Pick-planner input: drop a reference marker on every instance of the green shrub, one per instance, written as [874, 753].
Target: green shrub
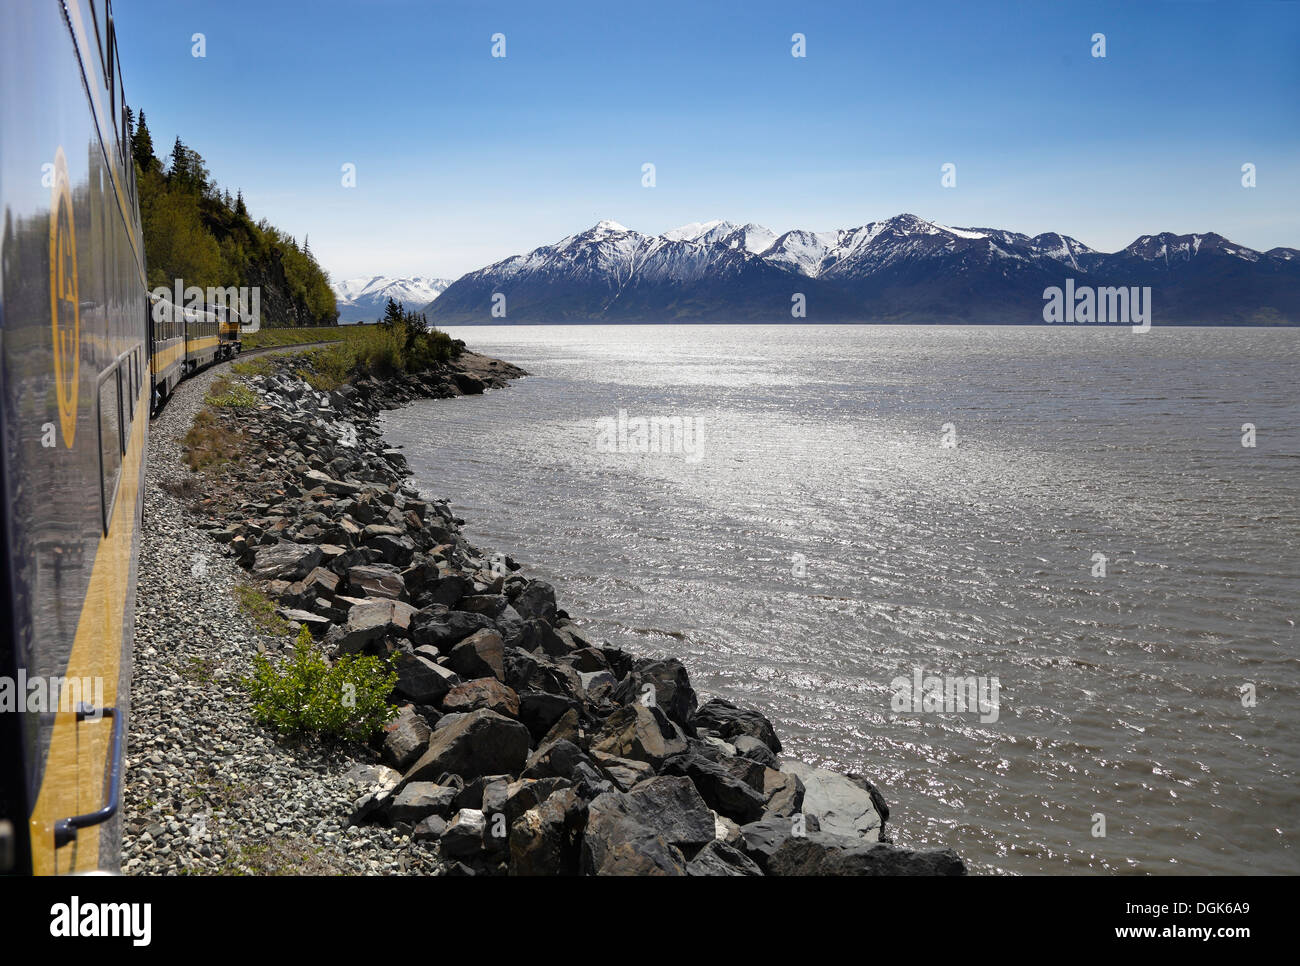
[306, 695]
[235, 395]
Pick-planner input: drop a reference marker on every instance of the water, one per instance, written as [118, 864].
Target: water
[827, 542]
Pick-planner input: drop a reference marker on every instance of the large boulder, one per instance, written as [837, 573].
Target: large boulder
[784, 793]
[729, 721]
[419, 800]
[623, 772]
[723, 791]
[541, 711]
[479, 743]
[443, 629]
[636, 731]
[368, 620]
[537, 672]
[463, 837]
[547, 838]
[719, 858]
[841, 805]
[479, 655]
[482, 693]
[405, 738]
[369, 580]
[537, 600]
[560, 759]
[617, 842]
[823, 853]
[670, 685]
[422, 680]
[285, 561]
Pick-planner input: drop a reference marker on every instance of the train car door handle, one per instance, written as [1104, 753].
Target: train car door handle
[65, 829]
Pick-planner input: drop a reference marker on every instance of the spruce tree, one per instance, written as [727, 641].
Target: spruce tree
[179, 174]
[142, 146]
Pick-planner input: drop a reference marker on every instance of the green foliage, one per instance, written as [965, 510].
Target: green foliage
[210, 443]
[258, 366]
[306, 695]
[400, 344]
[261, 609]
[297, 336]
[235, 395]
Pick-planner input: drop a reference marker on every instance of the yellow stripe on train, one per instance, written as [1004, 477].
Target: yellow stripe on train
[78, 754]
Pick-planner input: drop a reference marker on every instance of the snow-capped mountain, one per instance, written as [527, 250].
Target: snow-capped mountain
[363, 299]
[902, 269]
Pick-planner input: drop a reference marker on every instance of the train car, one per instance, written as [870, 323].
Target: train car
[166, 348]
[228, 331]
[202, 339]
[74, 394]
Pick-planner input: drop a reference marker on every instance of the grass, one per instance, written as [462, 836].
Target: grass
[225, 393]
[185, 488]
[260, 366]
[278, 857]
[261, 609]
[294, 336]
[200, 670]
[378, 350]
[210, 443]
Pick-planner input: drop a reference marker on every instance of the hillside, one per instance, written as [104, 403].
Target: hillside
[196, 232]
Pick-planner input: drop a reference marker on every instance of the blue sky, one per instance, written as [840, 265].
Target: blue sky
[463, 159]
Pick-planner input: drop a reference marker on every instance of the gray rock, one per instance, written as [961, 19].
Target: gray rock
[422, 680]
[724, 792]
[670, 685]
[719, 858]
[370, 580]
[823, 853]
[479, 743]
[639, 732]
[537, 600]
[840, 805]
[729, 721]
[747, 747]
[406, 737]
[464, 836]
[615, 842]
[420, 799]
[547, 838]
[479, 655]
[285, 561]
[482, 693]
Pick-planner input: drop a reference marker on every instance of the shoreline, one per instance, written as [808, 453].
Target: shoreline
[521, 746]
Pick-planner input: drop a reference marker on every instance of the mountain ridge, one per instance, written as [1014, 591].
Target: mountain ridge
[901, 269]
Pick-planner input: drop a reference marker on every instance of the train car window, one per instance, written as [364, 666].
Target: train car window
[110, 66]
[131, 393]
[109, 404]
[97, 14]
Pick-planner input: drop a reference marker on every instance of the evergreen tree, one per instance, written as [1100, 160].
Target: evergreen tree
[179, 173]
[241, 209]
[142, 147]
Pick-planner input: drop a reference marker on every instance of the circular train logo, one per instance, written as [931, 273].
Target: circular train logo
[65, 304]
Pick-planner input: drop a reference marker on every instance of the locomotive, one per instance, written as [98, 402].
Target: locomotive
[86, 354]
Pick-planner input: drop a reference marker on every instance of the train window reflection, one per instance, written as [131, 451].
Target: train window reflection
[109, 406]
